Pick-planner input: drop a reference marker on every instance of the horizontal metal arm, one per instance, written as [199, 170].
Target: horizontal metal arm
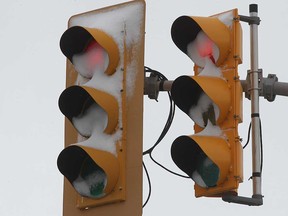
[281, 88]
[255, 200]
[269, 87]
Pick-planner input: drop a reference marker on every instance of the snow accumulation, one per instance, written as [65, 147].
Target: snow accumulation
[203, 104]
[226, 18]
[123, 25]
[92, 124]
[201, 49]
[211, 130]
[205, 53]
[92, 185]
[85, 123]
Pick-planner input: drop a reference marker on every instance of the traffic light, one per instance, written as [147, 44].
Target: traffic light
[93, 112]
[103, 106]
[212, 98]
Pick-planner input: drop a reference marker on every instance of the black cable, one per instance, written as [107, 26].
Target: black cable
[261, 145]
[149, 185]
[166, 128]
[248, 137]
[165, 168]
[161, 77]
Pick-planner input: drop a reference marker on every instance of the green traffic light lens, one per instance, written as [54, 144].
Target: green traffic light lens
[208, 171]
[91, 181]
[86, 176]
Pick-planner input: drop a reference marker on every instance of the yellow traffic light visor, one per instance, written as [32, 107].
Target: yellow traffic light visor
[186, 92]
[185, 29]
[205, 159]
[76, 39]
[75, 100]
[93, 173]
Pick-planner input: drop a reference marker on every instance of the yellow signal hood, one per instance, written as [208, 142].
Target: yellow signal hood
[75, 100]
[220, 155]
[111, 169]
[186, 91]
[185, 152]
[74, 160]
[212, 86]
[76, 39]
[185, 29]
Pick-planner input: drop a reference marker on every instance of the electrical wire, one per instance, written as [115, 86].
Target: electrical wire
[165, 168]
[161, 77]
[248, 136]
[166, 128]
[149, 185]
[261, 145]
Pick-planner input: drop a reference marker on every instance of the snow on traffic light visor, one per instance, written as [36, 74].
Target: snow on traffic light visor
[185, 29]
[96, 44]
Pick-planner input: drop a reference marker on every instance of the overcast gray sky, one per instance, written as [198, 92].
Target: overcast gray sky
[33, 76]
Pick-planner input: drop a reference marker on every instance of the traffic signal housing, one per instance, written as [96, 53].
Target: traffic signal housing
[212, 98]
[103, 106]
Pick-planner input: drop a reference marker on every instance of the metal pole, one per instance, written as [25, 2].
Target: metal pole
[281, 88]
[254, 93]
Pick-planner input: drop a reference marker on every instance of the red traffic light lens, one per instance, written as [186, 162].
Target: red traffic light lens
[201, 49]
[205, 49]
[94, 59]
[95, 54]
